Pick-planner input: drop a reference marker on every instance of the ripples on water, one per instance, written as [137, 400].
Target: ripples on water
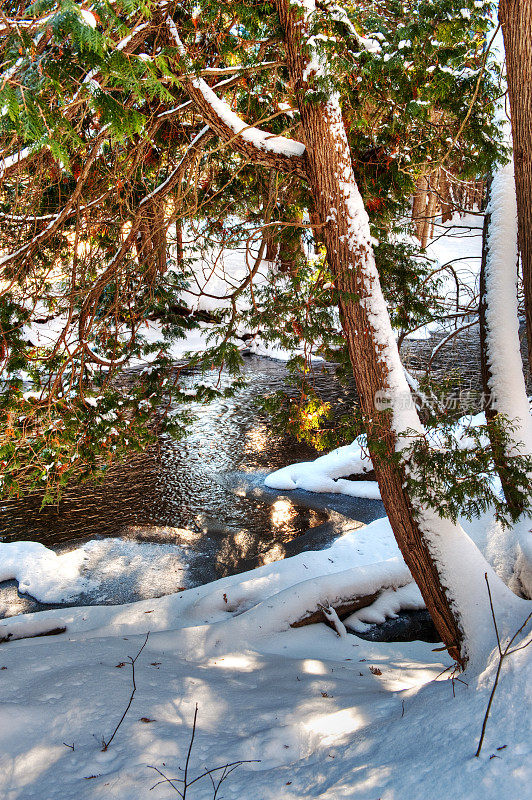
[179, 487]
[183, 496]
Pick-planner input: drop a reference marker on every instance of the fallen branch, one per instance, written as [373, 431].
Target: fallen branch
[334, 621]
[342, 609]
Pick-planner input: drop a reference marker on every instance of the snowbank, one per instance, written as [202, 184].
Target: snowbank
[324, 716]
[47, 577]
[327, 473]
[99, 570]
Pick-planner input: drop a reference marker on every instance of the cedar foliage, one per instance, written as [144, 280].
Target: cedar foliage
[97, 117]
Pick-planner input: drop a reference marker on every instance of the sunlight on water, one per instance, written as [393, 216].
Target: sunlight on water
[282, 513]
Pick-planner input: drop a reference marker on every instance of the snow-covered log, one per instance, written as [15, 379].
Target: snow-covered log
[302, 604]
[20, 628]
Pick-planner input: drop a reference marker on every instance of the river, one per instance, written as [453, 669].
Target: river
[201, 498]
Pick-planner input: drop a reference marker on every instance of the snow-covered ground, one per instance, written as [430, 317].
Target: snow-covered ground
[313, 712]
[320, 715]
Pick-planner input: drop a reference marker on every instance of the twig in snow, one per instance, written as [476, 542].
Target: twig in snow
[225, 770]
[105, 744]
[508, 650]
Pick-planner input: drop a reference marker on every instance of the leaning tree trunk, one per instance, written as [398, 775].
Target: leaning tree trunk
[515, 17]
[372, 348]
[444, 562]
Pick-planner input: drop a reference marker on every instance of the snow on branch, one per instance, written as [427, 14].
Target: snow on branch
[175, 176]
[262, 147]
[13, 161]
[339, 14]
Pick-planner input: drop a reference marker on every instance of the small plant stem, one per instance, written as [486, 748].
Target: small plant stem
[508, 651]
[122, 718]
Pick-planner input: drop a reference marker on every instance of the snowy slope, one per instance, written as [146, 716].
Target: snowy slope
[324, 716]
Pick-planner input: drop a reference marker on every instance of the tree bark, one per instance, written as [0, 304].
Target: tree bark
[151, 239]
[515, 17]
[179, 252]
[350, 258]
[419, 206]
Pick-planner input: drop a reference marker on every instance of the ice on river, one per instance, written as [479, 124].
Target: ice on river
[102, 570]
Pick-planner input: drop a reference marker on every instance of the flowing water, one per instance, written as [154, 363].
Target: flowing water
[202, 494]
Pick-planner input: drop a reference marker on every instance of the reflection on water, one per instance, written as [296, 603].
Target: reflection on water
[177, 495]
[282, 513]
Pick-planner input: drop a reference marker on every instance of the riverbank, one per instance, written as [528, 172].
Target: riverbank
[300, 712]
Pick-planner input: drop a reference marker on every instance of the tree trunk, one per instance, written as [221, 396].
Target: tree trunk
[419, 206]
[445, 197]
[151, 240]
[316, 229]
[179, 252]
[372, 347]
[515, 17]
[486, 370]
[502, 367]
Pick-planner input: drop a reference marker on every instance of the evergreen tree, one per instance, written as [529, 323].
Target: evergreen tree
[130, 118]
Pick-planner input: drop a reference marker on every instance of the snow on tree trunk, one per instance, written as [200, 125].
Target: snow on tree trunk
[507, 382]
[503, 376]
[445, 563]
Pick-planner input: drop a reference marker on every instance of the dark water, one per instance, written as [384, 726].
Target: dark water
[205, 492]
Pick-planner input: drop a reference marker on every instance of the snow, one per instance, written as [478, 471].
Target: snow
[386, 606]
[507, 382]
[13, 159]
[340, 15]
[460, 565]
[88, 18]
[176, 171]
[358, 562]
[126, 40]
[326, 474]
[263, 140]
[28, 628]
[41, 573]
[216, 272]
[324, 715]
[100, 569]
